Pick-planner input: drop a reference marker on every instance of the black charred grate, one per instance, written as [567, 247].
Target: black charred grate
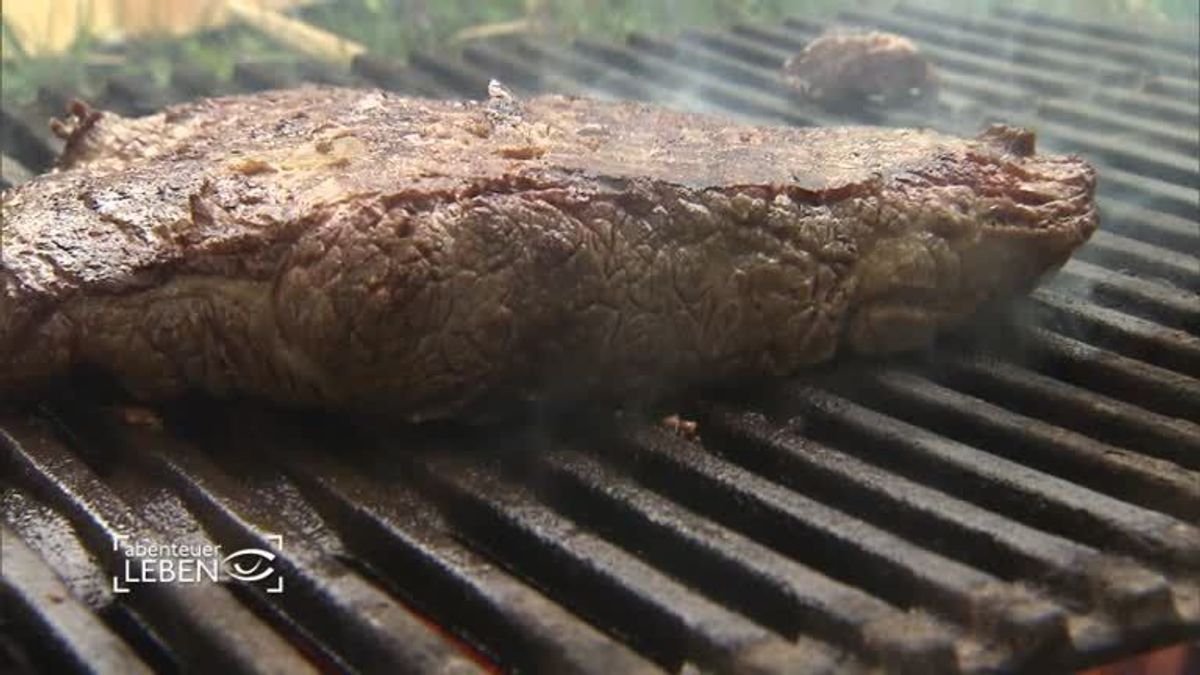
[1024, 500]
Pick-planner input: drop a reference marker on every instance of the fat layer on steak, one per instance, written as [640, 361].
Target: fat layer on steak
[363, 251]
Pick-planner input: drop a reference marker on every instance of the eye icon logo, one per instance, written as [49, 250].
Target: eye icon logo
[249, 564]
[255, 564]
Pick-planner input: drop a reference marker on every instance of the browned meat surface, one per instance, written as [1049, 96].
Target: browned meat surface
[843, 66]
[361, 251]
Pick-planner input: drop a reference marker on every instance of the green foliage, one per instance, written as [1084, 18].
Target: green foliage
[87, 62]
[397, 27]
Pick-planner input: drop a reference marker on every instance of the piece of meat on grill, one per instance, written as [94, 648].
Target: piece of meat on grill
[843, 67]
[362, 251]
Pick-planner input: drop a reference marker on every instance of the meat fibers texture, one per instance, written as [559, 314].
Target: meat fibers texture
[362, 251]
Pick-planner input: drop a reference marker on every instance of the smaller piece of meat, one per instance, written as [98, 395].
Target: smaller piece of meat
[844, 66]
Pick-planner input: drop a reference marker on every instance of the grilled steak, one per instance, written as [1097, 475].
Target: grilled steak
[363, 251]
[853, 67]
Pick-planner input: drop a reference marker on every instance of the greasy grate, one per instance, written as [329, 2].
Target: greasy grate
[1025, 499]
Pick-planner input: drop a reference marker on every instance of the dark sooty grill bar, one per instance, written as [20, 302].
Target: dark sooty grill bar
[1040, 499]
[1018, 500]
[740, 572]
[203, 625]
[665, 618]
[324, 598]
[404, 540]
[1082, 577]
[34, 596]
[847, 549]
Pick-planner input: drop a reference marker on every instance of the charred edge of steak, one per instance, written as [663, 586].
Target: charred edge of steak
[76, 131]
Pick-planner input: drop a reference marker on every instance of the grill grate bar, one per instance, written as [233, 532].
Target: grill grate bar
[1153, 227]
[32, 144]
[74, 637]
[528, 77]
[1117, 251]
[997, 483]
[1156, 40]
[709, 61]
[1113, 329]
[1081, 576]
[54, 540]
[666, 620]
[1029, 393]
[701, 89]
[637, 81]
[134, 96]
[252, 76]
[1177, 200]
[1164, 137]
[1018, 35]
[359, 622]
[399, 534]
[203, 624]
[843, 547]
[1102, 371]
[53, 100]
[391, 75]
[51, 536]
[192, 82]
[580, 70]
[1157, 302]
[1166, 85]
[1155, 484]
[739, 572]
[736, 46]
[1166, 110]
[452, 76]
[12, 172]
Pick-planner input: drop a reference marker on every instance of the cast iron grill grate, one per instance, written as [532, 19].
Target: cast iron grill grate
[1024, 499]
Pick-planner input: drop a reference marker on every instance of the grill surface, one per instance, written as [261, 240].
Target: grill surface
[1024, 499]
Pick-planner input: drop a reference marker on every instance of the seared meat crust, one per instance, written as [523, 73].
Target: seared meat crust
[362, 251]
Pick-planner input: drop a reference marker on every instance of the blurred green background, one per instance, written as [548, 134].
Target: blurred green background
[396, 27]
